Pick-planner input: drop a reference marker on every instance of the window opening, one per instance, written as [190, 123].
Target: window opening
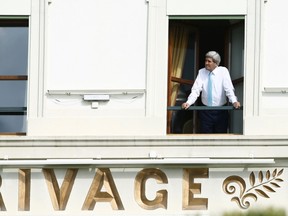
[189, 41]
[13, 75]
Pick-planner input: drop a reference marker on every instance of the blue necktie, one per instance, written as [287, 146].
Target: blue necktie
[210, 89]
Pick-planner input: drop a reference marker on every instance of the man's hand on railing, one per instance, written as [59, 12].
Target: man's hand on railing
[185, 106]
[236, 105]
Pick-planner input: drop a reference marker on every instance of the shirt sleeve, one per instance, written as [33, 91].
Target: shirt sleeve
[228, 87]
[195, 90]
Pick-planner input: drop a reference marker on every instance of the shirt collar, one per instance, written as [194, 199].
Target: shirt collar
[213, 72]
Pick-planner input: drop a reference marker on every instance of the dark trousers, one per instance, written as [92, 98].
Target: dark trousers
[213, 121]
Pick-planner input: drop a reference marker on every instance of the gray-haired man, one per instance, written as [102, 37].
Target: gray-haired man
[215, 83]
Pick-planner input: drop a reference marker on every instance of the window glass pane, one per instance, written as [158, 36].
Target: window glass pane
[12, 123]
[14, 35]
[13, 93]
[13, 50]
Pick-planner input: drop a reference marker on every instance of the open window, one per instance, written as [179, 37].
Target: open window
[13, 75]
[189, 40]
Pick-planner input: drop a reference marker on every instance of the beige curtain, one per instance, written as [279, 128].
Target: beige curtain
[178, 40]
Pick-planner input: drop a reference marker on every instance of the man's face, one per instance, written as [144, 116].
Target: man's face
[210, 64]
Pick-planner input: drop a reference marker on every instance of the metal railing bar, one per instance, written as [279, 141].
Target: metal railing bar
[13, 110]
[177, 108]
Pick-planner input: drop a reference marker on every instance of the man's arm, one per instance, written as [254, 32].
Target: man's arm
[229, 90]
[195, 92]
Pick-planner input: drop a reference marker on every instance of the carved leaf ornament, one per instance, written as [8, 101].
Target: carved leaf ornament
[261, 186]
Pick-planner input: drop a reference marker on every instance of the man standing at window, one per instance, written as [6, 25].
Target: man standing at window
[215, 83]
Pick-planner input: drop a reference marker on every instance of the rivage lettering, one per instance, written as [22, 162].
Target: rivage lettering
[104, 189]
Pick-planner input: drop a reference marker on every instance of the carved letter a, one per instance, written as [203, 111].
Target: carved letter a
[102, 177]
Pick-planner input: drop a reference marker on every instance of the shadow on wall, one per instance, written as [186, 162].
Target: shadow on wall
[259, 212]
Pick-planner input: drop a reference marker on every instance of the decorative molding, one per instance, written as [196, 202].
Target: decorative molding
[282, 90]
[266, 184]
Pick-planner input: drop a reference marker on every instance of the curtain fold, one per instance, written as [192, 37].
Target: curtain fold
[178, 41]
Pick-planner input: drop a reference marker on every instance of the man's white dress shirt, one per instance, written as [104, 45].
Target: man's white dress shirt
[222, 87]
